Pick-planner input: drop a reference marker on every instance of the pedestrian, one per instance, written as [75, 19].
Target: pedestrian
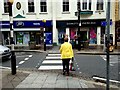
[66, 54]
[66, 36]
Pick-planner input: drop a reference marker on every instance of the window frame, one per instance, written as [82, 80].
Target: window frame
[31, 6]
[85, 5]
[66, 5]
[43, 7]
[100, 5]
[6, 6]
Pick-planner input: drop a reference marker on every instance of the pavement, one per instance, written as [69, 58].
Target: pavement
[46, 80]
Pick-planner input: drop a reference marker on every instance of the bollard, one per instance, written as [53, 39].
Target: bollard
[13, 63]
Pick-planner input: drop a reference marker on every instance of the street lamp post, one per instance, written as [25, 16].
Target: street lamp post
[44, 21]
[79, 36]
[13, 57]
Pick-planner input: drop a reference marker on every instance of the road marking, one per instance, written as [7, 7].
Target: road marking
[21, 62]
[17, 66]
[53, 57]
[80, 72]
[52, 61]
[49, 67]
[30, 55]
[78, 68]
[4, 67]
[26, 59]
[54, 54]
[103, 79]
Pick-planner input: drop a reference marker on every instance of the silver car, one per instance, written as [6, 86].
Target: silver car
[5, 53]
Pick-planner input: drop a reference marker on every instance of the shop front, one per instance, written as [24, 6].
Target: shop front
[5, 28]
[91, 31]
[31, 31]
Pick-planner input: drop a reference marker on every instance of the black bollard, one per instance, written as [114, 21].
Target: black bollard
[13, 63]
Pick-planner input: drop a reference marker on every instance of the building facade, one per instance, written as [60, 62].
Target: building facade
[61, 18]
[117, 24]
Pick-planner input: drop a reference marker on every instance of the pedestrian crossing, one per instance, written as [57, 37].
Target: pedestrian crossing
[52, 62]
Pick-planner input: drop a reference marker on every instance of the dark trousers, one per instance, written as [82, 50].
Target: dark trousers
[65, 63]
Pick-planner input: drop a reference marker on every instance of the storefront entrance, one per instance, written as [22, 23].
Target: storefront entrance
[61, 33]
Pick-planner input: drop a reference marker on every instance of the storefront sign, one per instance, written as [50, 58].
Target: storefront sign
[74, 23]
[48, 38]
[5, 24]
[31, 24]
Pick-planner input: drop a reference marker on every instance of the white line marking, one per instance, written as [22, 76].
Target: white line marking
[30, 55]
[78, 68]
[54, 54]
[53, 57]
[80, 72]
[16, 66]
[49, 67]
[4, 67]
[21, 62]
[26, 59]
[52, 61]
[77, 65]
[103, 79]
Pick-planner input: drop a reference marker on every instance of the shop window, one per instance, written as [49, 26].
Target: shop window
[43, 6]
[19, 37]
[65, 5]
[102, 34]
[72, 33]
[30, 5]
[118, 35]
[93, 36]
[6, 6]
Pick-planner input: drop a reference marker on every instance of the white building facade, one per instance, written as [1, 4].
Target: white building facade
[61, 18]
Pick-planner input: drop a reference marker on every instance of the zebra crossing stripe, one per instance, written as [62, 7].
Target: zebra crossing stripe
[50, 67]
[54, 54]
[53, 57]
[52, 61]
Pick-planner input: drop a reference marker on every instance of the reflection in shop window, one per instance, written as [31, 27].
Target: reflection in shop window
[93, 36]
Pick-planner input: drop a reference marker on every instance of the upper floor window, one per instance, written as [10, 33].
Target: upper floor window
[65, 5]
[99, 4]
[6, 6]
[89, 4]
[30, 5]
[84, 4]
[43, 6]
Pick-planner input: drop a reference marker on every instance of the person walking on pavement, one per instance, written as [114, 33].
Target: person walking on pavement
[66, 54]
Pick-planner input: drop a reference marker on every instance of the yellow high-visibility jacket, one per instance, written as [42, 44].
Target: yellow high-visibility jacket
[66, 50]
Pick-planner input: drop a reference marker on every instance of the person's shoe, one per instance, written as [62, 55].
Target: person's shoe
[63, 73]
[67, 74]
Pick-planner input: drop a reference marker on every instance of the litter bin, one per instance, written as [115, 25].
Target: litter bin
[32, 44]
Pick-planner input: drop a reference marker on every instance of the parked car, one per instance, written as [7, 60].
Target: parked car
[5, 53]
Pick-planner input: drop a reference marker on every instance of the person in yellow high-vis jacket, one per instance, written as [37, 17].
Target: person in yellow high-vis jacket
[66, 54]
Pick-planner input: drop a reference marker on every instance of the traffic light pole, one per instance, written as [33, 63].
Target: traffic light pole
[107, 43]
[13, 57]
[79, 36]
